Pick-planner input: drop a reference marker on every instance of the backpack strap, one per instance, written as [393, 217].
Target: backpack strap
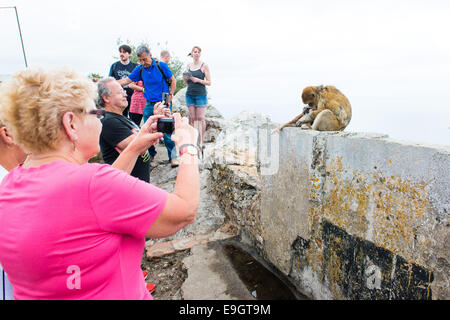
[162, 73]
[140, 72]
[169, 83]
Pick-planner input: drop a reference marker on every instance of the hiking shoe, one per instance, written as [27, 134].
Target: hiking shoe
[174, 163]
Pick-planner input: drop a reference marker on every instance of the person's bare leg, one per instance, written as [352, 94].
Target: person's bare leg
[200, 118]
[191, 115]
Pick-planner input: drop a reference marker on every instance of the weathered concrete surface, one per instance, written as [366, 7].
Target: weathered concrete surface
[363, 217]
[345, 215]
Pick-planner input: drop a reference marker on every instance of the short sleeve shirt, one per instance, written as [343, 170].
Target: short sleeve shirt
[6, 290]
[117, 128]
[71, 231]
[119, 71]
[154, 82]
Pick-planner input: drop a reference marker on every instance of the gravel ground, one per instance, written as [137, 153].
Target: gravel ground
[167, 273]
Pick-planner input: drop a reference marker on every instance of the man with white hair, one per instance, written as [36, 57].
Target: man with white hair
[118, 131]
[157, 79]
[165, 56]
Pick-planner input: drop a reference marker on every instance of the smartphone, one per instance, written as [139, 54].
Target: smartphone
[165, 99]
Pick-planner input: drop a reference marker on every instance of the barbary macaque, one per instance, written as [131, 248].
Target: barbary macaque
[327, 109]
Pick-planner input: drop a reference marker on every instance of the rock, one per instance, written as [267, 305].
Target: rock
[212, 112]
[251, 118]
[230, 183]
[213, 128]
[237, 142]
[238, 192]
[209, 215]
[179, 105]
[217, 123]
[233, 166]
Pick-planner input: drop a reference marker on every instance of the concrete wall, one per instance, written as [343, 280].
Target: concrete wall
[348, 215]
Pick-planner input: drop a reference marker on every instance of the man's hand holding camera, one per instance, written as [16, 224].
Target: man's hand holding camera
[161, 109]
[164, 122]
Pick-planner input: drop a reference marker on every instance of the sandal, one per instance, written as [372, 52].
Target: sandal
[150, 287]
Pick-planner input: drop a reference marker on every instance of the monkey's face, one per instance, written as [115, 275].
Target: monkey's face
[309, 97]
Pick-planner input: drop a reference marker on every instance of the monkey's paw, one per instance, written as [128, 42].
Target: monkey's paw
[305, 126]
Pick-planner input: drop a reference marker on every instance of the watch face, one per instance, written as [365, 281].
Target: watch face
[191, 150]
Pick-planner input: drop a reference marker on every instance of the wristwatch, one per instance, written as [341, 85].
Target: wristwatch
[190, 149]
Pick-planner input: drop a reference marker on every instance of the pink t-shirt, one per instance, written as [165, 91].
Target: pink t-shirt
[76, 232]
[137, 103]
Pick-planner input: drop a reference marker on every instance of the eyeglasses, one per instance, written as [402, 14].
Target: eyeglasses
[100, 113]
[119, 92]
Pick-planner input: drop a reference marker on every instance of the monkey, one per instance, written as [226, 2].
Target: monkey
[327, 109]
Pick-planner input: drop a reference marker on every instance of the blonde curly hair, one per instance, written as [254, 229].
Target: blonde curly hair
[33, 102]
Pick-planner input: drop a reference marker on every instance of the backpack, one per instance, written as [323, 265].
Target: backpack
[169, 83]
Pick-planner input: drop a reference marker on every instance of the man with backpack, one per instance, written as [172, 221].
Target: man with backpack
[157, 79]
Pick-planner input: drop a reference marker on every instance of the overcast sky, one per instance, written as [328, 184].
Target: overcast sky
[390, 58]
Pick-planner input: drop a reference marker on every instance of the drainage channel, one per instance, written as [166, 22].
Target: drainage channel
[263, 281]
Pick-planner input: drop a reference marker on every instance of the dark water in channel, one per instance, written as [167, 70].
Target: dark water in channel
[261, 282]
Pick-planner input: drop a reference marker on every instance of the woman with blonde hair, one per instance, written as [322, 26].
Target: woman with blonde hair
[11, 155]
[197, 76]
[70, 229]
